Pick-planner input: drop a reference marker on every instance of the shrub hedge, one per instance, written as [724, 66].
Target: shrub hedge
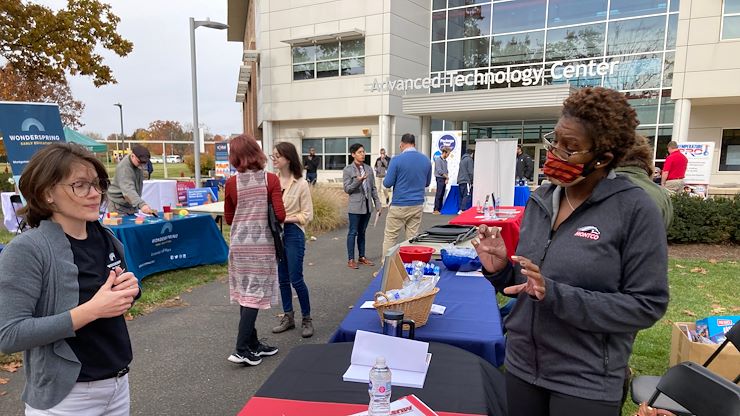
[710, 221]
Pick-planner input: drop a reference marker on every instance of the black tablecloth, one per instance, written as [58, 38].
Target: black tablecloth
[457, 381]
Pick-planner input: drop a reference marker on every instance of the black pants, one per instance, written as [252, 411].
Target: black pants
[527, 399]
[247, 337]
[440, 195]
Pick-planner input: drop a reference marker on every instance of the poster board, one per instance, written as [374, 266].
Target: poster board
[699, 155]
[394, 272]
[495, 166]
[453, 140]
[222, 160]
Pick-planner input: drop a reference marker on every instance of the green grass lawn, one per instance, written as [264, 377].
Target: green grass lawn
[174, 170]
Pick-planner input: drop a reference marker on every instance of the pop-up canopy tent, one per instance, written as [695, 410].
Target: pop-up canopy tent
[82, 140]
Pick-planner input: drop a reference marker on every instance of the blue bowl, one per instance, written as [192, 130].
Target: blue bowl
[457, 263]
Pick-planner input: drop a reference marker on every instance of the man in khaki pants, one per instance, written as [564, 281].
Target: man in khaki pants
[408, 174]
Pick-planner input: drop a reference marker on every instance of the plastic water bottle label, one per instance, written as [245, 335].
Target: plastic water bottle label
[380, 388]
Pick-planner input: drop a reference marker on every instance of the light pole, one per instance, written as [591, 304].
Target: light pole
[120, 109]
[194, 24]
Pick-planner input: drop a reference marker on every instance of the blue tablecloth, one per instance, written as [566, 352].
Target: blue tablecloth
[160, 245]
[471, 321]
[452, 202]
[521, 196]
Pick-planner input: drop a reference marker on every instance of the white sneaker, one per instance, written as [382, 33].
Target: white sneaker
[248, 359]
[459, 212]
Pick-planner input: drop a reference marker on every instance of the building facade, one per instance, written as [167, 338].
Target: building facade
[326, 74]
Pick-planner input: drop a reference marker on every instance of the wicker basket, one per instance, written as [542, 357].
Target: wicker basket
[416, 308]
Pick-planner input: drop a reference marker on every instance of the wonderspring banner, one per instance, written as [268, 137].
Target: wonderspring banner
[26, 128]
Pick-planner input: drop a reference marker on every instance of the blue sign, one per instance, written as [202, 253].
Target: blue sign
[200, 196]
[447, 141]
[26, 127]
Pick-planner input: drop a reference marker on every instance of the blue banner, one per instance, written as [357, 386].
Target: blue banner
[26, 127]
[200, 196]
[222, 159]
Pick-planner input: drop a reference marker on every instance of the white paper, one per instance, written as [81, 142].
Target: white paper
[438, 309]
[407, 406]
[407, 359]
[474, 273]
[368, 305]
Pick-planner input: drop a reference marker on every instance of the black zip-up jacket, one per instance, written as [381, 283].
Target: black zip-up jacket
[605, 270]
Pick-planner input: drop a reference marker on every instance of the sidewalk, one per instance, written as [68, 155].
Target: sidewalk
[180, 353]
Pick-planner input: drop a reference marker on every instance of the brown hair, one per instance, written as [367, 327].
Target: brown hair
[48, 167]
[288, 151]
[640, 155]
[609, 119]
[245, 154]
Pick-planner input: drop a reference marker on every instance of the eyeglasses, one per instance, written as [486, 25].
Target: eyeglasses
[551, 145]
[275, 157]
[82, 188]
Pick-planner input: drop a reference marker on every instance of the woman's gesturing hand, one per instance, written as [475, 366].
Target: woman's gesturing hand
[535, 284]
[108, 302]
[491, 248]
[124, 280]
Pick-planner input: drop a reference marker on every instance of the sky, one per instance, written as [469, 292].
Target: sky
[154, 80]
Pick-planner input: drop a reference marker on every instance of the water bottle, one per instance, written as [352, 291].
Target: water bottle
[418, 271]
[487, 209]
[380, 389]
[436, 272]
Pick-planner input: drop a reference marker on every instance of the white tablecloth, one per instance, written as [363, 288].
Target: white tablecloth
[9, 220]
[159, 192]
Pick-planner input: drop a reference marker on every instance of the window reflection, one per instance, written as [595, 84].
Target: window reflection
[636, 35]
[519, 15]
[672, 31]
[325, 59]
[439, 4]
[582, 77]
[645, 104]
[635, 72]
[439, 20]
[667, 107]
[456, 3]
[670, 59]
[568, 12]
[303, 71]
[327, 69]
[469, 22]
[471, 53]
[517, 49]
[353, 66]
[438, 56]
[628, 8]
[575, 42]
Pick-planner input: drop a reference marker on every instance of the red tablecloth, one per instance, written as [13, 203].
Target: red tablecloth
[510, 220]
[265, 406]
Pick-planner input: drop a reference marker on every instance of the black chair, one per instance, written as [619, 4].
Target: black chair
[698, 390]
[17, 203]
[644, 387]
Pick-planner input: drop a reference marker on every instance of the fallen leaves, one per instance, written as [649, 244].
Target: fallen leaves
[699, 270]
[11, 367]
[735, 308]
[680, 266]
[713, 261]
[128, 317]
[689, 313]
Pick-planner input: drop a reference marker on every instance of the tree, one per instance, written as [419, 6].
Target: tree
[169, 131]
[45, 45]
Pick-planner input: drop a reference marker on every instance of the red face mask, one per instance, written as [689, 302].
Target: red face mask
[561, 170]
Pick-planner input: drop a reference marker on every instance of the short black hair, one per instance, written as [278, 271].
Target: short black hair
[355, 147]
[408, 138]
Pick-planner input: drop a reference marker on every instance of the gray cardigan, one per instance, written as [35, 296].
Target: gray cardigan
[353, 187]
[38, 288]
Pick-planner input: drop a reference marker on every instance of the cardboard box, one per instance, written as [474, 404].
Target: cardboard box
[726, 364]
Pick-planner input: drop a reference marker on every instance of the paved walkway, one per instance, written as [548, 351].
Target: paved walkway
[180, 353]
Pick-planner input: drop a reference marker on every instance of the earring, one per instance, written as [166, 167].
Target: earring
[49, 201]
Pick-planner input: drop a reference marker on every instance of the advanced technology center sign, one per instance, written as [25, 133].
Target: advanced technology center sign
[527, 76]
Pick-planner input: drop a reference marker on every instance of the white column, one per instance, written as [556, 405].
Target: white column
[681, 118]
[426, 135]
[267, 140]
[386, 141]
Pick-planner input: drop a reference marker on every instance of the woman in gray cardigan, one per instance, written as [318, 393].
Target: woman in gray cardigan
[64, 290]
[359, 183]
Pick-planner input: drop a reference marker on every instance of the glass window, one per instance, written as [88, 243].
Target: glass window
[667, 107]
[355, 47]
[729, 155]
[323, 60]
[335, 162]
[353, 66]
[518, 15]
[568, 12]
[307, 144]
[645, 104]
[672, 31]
[303, 71]
[578, 74]
[336, 145]
[648, 133]
[456, 3]
[327, 69]
[575, 42]
[731, 27]
[517, 49]
[635, 72]
[636, 35]
[661, 142]
[628, 8]
[470, 53]
[732, 6]
[439, 20]
[670, 59]
[469, 22]
[438, 56]
[674, 5]
[441, 4]
[304, 54]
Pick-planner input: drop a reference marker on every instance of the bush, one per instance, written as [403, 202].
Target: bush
[207, 162]
[327, 209]
[712, 221]
[5, 185]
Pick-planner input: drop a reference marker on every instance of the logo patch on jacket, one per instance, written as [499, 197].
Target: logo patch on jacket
[588, 232]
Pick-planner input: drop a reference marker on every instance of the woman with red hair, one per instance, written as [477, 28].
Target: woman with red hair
[253, 280]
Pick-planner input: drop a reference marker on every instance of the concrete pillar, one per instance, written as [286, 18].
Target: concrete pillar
[386, 140]
[267, 141]
[425, 141]
[681, 118]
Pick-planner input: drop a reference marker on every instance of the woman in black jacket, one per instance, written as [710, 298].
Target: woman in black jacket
[590, 269]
